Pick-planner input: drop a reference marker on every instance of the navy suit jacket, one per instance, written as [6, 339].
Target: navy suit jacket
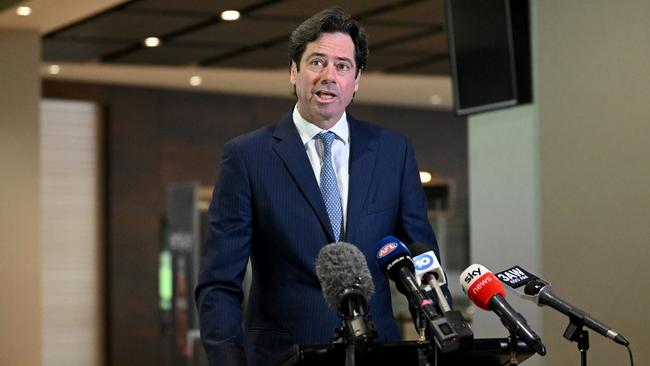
[267, 205]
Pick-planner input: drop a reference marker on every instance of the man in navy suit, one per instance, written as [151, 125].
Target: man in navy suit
[268, 205]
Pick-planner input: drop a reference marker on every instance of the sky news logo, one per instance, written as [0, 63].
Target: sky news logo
[477, 286]
[471, 273]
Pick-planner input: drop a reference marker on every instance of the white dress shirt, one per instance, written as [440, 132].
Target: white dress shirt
[340, 152]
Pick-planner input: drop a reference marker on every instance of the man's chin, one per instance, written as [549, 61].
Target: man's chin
[330, 116]
[328, 110]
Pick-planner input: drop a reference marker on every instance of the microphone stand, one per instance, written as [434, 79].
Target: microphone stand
[357, 330]
[574, 332]
[349, 355]
[421, 324]
[340, 337]
[512, 344]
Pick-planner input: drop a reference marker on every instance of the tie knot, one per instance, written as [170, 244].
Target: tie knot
[328, 138]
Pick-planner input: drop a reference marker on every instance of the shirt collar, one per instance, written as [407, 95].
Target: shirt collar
[308, 130]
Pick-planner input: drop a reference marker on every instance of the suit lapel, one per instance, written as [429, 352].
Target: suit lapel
[363, 151]
[292, 152]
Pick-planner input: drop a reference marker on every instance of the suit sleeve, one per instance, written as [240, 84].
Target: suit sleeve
[413, 221]
[219, 291]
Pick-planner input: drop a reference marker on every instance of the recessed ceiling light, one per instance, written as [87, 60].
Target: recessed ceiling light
[23, 11]
[230, 15]
[54, 69]
[196, 80]
[152, 42]
[425, 177]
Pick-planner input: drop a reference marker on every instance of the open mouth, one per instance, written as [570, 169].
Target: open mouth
[325, 95]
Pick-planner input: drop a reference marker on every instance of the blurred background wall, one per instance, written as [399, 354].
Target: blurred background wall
[159, 137]
[570, 173]
[593, 134]
[20, 199]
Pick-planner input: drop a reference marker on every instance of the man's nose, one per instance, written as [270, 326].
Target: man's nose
[328, 74]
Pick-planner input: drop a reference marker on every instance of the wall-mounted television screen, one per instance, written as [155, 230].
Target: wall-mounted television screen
[481, 54]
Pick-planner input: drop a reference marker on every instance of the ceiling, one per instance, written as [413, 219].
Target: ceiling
[103, 41]
[406, 37]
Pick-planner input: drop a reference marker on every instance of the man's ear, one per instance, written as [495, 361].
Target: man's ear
[293, 73]
[356, 81]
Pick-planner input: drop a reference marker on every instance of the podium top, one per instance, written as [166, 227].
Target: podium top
[479, 352]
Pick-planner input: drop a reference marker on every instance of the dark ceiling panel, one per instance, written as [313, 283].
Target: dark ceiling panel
[171, 55]
[421, 12]
[301, 9]
[4, 4]
[125, 25]
[406, 36]
[207, 7]
[264, 58]
[74, 50]
[246, 31]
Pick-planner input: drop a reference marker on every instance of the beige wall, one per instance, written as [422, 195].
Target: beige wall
[504, 203]
[594, 119]
[20, 259]
[589, 150]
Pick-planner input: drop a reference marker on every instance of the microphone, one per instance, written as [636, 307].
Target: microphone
[347, 285]
[430, 276]
[429, 273]
[394, 259]
[487, 292]
[543, 294]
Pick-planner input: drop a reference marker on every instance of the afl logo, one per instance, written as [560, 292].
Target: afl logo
[423, 261]
[386, 249]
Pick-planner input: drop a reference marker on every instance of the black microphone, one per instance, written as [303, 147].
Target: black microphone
[394, 259]
[347, 285]
[430, 276]
[543, 294]
[487, 292]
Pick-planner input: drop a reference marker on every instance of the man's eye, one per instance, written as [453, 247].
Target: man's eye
[316, 62]
[343, 67]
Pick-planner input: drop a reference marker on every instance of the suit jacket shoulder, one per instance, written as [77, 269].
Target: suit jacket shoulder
[373, 132]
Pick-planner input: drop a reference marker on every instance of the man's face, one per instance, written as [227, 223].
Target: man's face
[327, 79]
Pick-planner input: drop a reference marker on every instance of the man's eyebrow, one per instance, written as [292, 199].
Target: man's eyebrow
[319, 54]
[316, 54]
[345, 59]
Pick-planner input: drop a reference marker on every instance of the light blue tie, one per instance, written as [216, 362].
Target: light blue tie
[329, 187]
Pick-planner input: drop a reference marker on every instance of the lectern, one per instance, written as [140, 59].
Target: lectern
[478, 352]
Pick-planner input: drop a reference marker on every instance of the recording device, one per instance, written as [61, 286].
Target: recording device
[430, 276]
[487, 292]
[541, 292]
[347, 286]
[395, 260]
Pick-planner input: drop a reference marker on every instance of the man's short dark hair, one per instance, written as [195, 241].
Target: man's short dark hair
[331, 20]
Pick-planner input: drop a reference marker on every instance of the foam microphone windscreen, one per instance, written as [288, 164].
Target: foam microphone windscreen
[340, 267]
